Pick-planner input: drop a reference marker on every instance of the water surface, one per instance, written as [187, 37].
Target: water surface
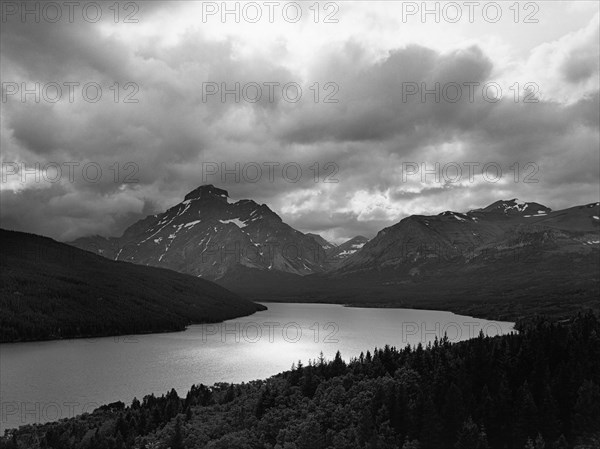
[45, 381]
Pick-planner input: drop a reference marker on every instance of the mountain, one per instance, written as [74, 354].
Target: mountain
[53, 290]
[506, 230]
[334, 253]
[208, 236]
[327, 246]
[346, 249]
[514, 207]
[505, 261]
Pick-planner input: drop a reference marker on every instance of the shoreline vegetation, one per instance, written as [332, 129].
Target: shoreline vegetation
[477, 310]
[525, 314]
[260, 303]
[536, 388]
[127, 334]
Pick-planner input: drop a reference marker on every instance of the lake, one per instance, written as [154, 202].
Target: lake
[45, 381]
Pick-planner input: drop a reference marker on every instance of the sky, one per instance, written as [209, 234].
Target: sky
[343, 117]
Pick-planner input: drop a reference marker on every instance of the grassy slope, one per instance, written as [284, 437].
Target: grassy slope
[52, 290]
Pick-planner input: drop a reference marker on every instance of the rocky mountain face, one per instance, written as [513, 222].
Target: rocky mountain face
[346, 249]
[503, 231]
[327, 246]
[206, 235]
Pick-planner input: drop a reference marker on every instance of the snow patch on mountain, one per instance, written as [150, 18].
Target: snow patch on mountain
[515, 204]
[347, 252]
[236, 221]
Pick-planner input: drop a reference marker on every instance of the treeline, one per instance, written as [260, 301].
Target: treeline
[539, 389]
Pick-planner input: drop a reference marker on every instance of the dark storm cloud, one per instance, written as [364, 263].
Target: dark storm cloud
[372, 105]
[368, 134]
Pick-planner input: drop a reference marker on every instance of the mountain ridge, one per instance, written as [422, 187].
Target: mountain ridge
[466, 235]
[208, 236]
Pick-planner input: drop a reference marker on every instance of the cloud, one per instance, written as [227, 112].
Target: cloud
[567, 68]
[363, 141]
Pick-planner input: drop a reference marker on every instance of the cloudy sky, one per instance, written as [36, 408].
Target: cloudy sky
[364, 143]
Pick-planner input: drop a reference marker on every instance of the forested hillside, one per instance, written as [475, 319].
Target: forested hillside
[539, 389]
[52, 290]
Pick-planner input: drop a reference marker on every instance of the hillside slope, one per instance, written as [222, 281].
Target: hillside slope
[53, 290]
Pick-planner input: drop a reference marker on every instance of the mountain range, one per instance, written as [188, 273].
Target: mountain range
[509, 250]
[510, 229]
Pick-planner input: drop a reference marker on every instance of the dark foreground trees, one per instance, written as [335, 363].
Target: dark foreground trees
[539, 389]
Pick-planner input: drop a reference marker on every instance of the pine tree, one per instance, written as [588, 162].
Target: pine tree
[468, 435]
[561, 443]
[539, 442]
[176, 437]
[411, 444]
[453, 412]
[526, 412]
[482, 441]
[587, 408]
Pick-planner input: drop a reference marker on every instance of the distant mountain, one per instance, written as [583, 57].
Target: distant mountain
[327, 246]
[346, 249]
[504, 230]
[208, 236]
[53, 290]
[513, 207]
[505, 261]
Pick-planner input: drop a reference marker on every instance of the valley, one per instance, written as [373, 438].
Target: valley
[507, 261]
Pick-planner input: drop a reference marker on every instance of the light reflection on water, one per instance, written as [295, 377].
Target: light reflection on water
[44, 381]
